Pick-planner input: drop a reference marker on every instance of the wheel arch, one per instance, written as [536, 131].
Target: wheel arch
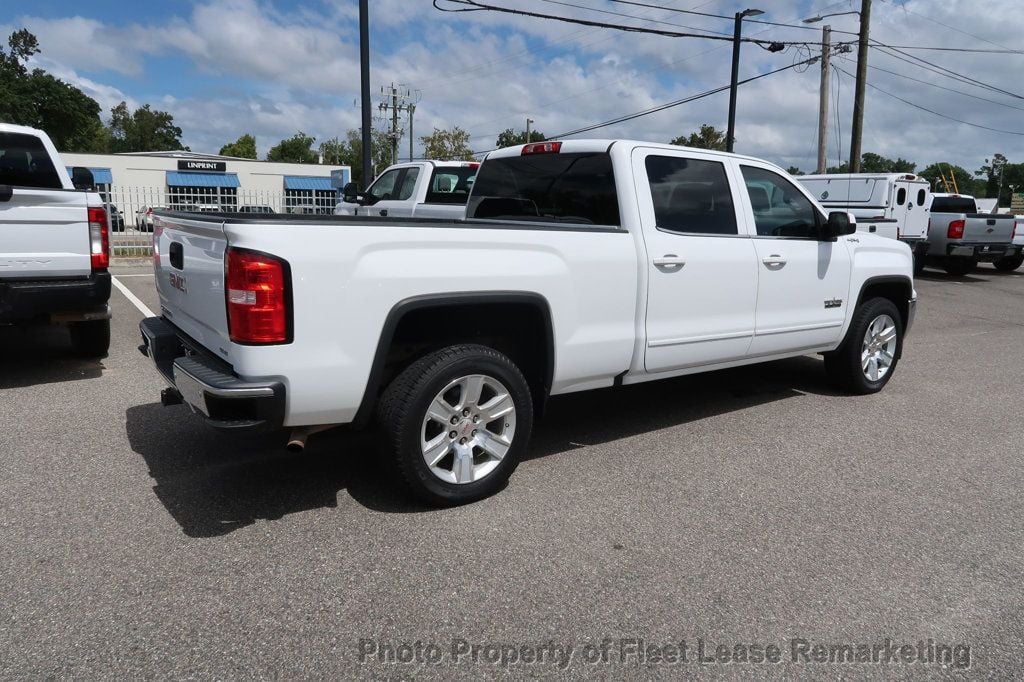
[897, 288]
[406, 310]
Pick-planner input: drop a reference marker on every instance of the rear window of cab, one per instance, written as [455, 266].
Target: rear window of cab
[556, 188]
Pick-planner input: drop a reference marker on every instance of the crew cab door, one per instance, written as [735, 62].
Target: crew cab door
[803, 284]
[394, 192]
[701, 267]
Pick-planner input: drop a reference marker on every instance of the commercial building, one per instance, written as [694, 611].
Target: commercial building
[192, 181]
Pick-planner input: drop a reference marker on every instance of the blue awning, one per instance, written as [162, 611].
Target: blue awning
[101, 176]
[307, 182]
[179, 179]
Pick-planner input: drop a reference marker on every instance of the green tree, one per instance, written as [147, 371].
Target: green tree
[793, 170]
[447, 145]
[296, 149]
[511, 138]
[965, 181]
[244, 147]
[708, 137]
[143, 130]
[876, 163]
[349, 152]
[35, 98]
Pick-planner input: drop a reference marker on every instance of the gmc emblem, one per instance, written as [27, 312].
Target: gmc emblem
[178, 282]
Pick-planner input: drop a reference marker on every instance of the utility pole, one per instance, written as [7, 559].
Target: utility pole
[397, 103]
[857, 129]
[412, 110]
[364, 84]
[826, 48]
[528, 122]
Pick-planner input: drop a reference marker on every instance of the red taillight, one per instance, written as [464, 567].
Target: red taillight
[542, 148]
[157, 231]
[1015, 226]
[99, 239]
[956, 229]
[472, 165]
[257, 297]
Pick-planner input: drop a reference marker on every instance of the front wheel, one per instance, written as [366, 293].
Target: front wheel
[1009, 263]
[865, 361]
[456, 422]
[90, 339]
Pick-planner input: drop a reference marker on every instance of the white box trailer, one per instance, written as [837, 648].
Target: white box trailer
[877, 198]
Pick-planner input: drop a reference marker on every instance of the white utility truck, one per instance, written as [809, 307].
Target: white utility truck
[893, 205]
[582, 264]
[422, 189]
[54, 242]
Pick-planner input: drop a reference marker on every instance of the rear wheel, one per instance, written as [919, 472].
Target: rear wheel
[865, 361]
[959, 266]
[90, 339]
[456, 422]
[1009, 263]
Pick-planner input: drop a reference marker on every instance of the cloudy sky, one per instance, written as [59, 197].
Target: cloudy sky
[272, 67]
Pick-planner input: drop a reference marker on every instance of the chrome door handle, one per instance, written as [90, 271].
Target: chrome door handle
[669, 260]
[774, 261]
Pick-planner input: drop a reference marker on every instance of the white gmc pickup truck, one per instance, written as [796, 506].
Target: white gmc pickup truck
[420, 189]
[582, 264]
[54, 243]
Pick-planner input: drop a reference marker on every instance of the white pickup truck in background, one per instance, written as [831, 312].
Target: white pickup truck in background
[582, 264]
[54, 242]
[894, 205]
[960, 237]
[422, 189]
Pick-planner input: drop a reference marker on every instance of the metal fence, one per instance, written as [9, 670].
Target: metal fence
[131, 221]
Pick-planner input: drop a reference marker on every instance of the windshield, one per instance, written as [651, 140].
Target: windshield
[571, 188]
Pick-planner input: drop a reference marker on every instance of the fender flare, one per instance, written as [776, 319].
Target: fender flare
[408, 305]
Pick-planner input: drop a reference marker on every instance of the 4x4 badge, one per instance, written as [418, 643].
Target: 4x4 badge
[833, 303]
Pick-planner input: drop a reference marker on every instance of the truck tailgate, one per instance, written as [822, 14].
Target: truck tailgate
[189, 268]
[988, 229]
[44, 234]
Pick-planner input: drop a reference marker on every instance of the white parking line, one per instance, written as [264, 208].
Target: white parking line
[145, 274]
[143, 308]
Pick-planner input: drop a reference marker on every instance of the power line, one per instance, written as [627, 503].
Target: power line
[724, 16]
[943, 87]
[631, 16]
[954, 28]
[936, 113]
[476, 6]
[945, 71]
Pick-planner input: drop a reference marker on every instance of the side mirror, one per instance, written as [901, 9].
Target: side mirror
[81, 178]
[839, 223]
[350, 193]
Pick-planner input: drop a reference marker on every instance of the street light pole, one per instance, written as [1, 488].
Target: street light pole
[730, 134]
[364, 84]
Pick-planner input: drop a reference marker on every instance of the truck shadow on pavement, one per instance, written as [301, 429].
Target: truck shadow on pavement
[214, 483]
[41, 355]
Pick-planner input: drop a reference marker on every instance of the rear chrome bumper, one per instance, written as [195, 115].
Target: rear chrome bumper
[982, 252]
[207, 384]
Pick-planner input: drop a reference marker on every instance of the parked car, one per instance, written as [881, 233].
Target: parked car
[255, 209]
[892, 204]
[55, 246]
[582, 264]
[144, 217]
[116, 219]
[960, 237]
[424, 189]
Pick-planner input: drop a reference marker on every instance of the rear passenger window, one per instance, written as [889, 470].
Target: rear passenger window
[451, 185]
[691, 195]
[25, 163]
[921, 195]
[901, 196]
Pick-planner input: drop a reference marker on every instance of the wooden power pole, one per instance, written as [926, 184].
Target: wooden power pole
[857, 129]
[826, 48]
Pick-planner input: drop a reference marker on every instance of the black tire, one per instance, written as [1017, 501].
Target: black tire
[844, 364]
[959, 266]
[919, 262]
[90, 339]
[1010, 263]
[402, 411]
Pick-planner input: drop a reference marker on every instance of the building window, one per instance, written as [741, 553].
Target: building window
[183, 198]
[307, 201]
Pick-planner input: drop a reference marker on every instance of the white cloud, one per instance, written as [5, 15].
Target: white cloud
[282, 72]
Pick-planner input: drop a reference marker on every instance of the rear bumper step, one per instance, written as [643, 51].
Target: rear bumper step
[57, 300]
[207, 384]
[981, 251]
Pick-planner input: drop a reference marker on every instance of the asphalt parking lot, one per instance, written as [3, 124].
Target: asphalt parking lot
[748, 507]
